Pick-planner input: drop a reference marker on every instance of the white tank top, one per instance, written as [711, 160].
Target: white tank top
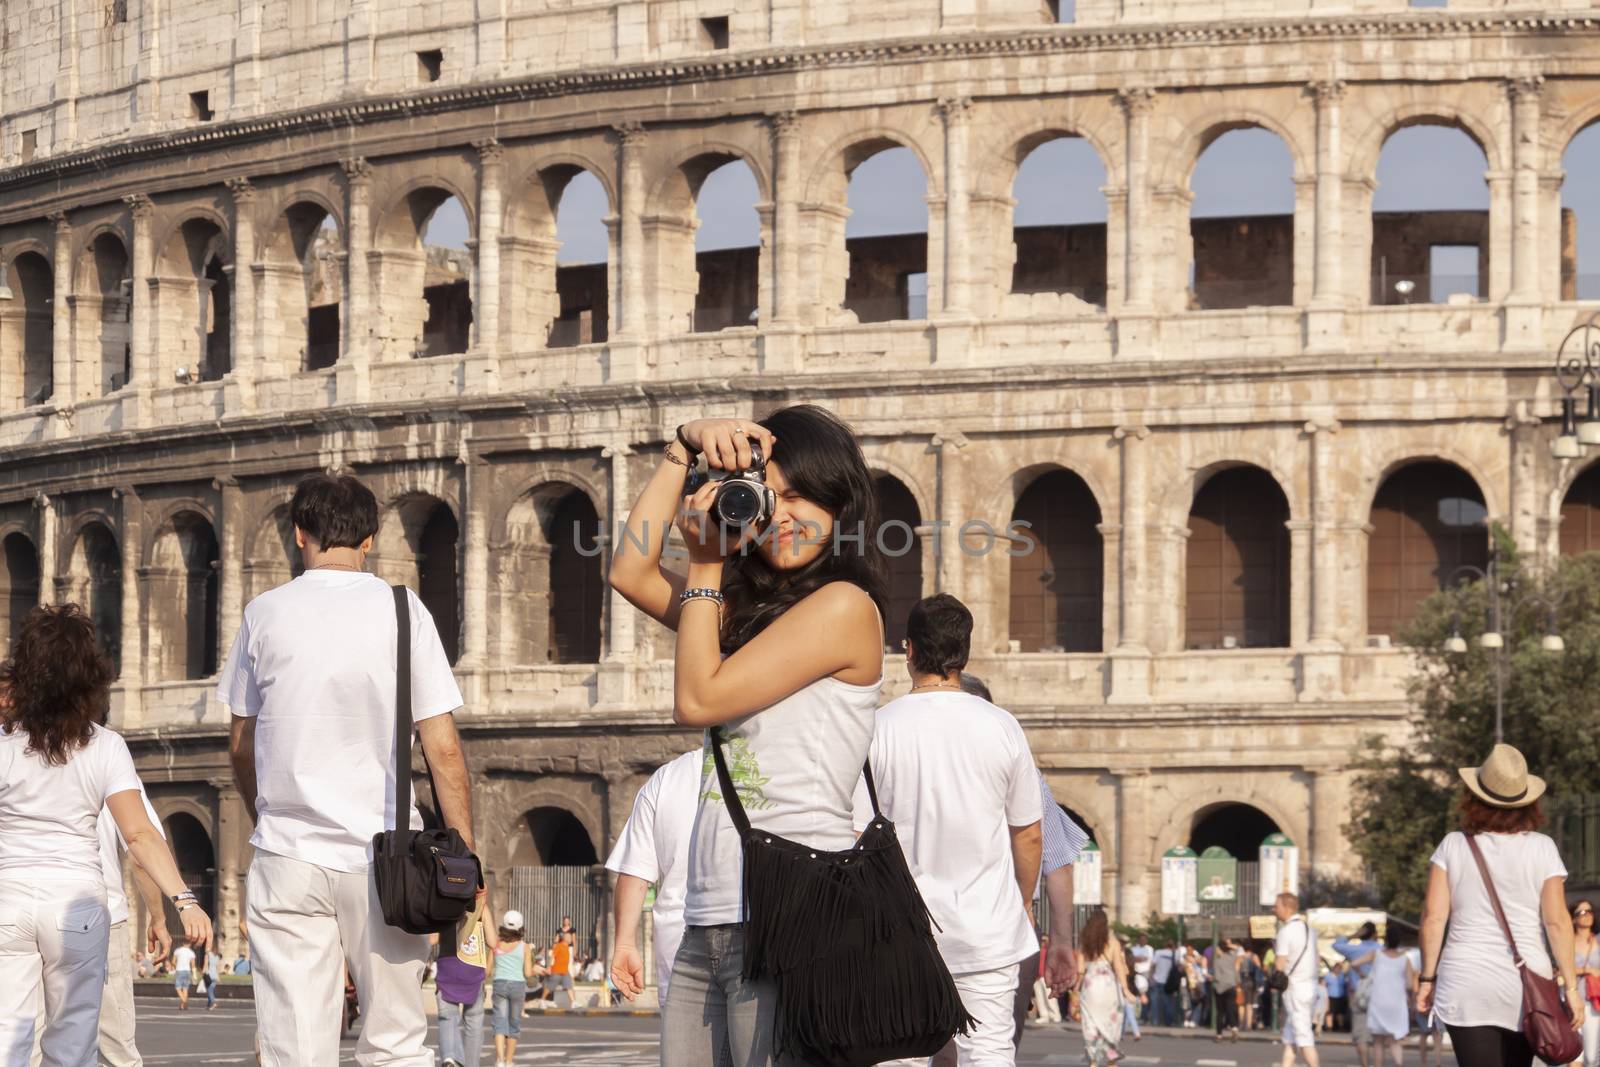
[795, 764]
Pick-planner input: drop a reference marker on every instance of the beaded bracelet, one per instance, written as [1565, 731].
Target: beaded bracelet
[706, 593]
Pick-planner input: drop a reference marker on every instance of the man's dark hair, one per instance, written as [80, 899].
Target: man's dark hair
[940, 632]
[1368, 932]
[336, 511]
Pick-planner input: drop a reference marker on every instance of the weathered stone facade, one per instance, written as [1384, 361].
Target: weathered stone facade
[169, 363]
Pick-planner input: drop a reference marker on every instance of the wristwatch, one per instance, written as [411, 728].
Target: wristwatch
[1427, 979]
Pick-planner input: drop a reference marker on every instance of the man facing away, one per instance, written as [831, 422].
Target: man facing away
[1358, 985]
[311, 684]
[1295, 952]
[955, 775]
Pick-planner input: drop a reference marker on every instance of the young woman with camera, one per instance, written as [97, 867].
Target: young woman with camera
[780, 644]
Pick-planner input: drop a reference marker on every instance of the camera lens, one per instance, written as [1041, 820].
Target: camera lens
[737, 504]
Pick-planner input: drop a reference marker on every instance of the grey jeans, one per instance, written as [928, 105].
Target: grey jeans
[714, 1016]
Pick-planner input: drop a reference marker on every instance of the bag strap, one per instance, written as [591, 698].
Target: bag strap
[1494, 897]
[1303, 948]
[730, 795]
[402, 708]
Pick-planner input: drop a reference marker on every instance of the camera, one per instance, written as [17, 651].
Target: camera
[743, 497]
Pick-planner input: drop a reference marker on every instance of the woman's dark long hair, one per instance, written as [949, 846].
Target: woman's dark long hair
[821, 461]
[57, 681]
[1096, 932]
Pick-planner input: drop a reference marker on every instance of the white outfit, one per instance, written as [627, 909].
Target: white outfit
[116, 1005]
[654, 846]
[314, 663]
[1388, 1011]
[1478, 984]
[795, 764]
[54, 925]
[1297, 944]
[954, 773]
[1591, 1017]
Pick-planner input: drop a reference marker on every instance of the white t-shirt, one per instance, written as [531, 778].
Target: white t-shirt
[1296, 946]
[1478, 984]
[654, 846]
[954, 773]
[111, 860]
[50, 813]
[183, 959]
[314, 662]
[795, 764]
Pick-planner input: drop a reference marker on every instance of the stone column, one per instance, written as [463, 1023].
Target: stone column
[628, 319]
[486, 296]
[1523, 437]
[786, 196]
[1523, 314]
[233, 831]
[140, 369]
[230, 591]
[131, 537]
[956, 112]
[1325, 319]
[61, 388]
[240, 399]
[952, 513]
[621, 634]
[354, 367]
[1135, 322]
[49, 534]
[1330, 808]
[1300, 567]
[1324, 537]
[475, 503]
[1130, 660]
[1134, 858]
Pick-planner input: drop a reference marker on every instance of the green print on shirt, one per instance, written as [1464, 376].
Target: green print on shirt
[743, 769]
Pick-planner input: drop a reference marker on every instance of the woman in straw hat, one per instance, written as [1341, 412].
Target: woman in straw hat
[1472, 985]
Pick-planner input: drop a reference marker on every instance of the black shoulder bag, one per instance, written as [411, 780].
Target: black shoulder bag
[848, 942]
[426, 879]
[1278, 981]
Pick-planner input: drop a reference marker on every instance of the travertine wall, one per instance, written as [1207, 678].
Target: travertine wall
[320, 113]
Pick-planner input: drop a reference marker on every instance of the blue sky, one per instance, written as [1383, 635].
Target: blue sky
[1244, 172]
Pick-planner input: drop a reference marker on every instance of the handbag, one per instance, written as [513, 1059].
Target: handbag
[1546, 1018]
[1362, 997]
[1591, 990]
[847, 940]
[427, 880]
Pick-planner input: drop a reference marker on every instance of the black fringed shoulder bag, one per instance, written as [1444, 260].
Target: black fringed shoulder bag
[848, 941]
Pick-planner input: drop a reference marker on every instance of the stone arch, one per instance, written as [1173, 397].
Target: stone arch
[300, 288]
[189, 836]
[512, 796]
[1241, 261]
[102, 312]
[701, 292]
[1204, 131]
[853, 148]
[1056, 600]
[1428, 519]
[272, 557]
[552, 836]
[1368, 144]
[93, 580]
[551, 587]
[422, 294]
[193, 297]
[419, 545]
[1189, 800]
[180, 597]
[27, 330]
[1577, 271]
[905, 554]
[1234, 825]
[21, 583]
[1237, 565]
[1068, 259]
[1387, 463]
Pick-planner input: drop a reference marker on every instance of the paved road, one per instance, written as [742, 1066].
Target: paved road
[169, 1037]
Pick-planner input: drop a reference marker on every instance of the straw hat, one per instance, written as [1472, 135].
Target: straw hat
[1503, 781]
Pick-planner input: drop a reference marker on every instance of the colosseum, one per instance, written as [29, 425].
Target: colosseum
[1247, 445]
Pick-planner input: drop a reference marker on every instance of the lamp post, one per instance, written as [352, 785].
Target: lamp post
[1505, 600]
[1578, 366]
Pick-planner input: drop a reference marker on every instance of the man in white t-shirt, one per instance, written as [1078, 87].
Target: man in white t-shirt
[311, 684]
[654, 848]
[1295, 952]
[954, 773]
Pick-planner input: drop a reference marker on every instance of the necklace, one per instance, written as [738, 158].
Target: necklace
[942, 685]
[335, 567]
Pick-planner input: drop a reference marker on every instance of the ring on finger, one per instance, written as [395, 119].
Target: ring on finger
[738, 429]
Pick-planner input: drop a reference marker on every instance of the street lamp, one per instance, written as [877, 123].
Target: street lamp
[1578, 367]
[1504, 602]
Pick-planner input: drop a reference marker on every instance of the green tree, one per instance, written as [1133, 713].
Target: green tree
[1403, 800]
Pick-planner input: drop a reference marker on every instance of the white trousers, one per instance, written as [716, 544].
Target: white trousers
[990, 997]
[1296, 1011]
[53, 938]
[116, 1007]
[303, 920]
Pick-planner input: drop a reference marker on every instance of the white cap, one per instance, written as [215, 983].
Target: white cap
[512, 919]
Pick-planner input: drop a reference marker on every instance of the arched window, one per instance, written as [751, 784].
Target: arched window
[1428, 521]
[1239, 828]
[577, 207]
[577, 587]
[1059, 222]
[727, 243]
[196, 858]
[27, 333]
[1242, 220]
[1237, 580]
[1056, 578]
[21, 584]
[1580, 514]
[902, 547]
[1430, 217]
[423, 277]
[94, 576]
[302, 285]
[102, 316]
[1579, 244]
[181, 604]
[872, 229]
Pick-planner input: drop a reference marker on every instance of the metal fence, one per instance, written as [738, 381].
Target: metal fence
[545, 894]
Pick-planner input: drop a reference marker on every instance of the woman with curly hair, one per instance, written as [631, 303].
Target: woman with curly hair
[58, 767]
[780, 644]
